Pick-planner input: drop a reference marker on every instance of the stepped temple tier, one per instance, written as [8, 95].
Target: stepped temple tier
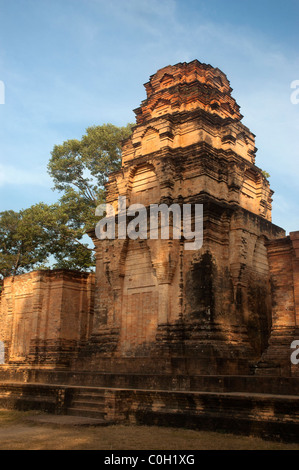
[156, 315]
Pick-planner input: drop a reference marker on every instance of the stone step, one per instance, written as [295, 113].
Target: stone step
[86, 413]
[88, 404]
[96, 397]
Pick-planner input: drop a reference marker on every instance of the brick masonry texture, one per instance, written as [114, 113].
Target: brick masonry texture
[44, 316]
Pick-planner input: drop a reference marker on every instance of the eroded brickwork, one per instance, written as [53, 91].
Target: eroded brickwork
[44, 315]
[153, 297]
[284, 270]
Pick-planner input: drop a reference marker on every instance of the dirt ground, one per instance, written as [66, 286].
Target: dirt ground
[17, 433]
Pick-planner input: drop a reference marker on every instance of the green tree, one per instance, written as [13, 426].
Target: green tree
[82, 166]
[41, 237]
[69, 247]
[55, 235]
[80, 169]
[23, 239]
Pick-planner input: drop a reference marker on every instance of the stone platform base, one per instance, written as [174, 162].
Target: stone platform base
[267, 407]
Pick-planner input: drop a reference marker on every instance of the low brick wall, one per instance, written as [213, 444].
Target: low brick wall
[267, 416]
[44, 315]
[40, 397]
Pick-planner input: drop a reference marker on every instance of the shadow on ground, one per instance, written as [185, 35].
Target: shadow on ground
[35, 431]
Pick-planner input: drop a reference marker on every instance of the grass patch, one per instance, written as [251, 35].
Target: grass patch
[12, 416]
[17, 434]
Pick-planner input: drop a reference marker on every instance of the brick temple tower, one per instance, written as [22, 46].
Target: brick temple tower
[205, 309]
[161, 333]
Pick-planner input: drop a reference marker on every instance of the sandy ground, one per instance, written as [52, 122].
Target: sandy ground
[17, 433]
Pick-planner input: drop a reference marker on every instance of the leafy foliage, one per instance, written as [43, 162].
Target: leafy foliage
[56, 233]
[266, 174]
[23, 239]
[83, 166]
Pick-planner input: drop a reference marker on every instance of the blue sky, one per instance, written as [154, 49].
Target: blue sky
[70, 64]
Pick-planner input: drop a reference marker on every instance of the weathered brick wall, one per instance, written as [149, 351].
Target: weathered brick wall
[243, 413]
[44, 314]
[284, 274]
